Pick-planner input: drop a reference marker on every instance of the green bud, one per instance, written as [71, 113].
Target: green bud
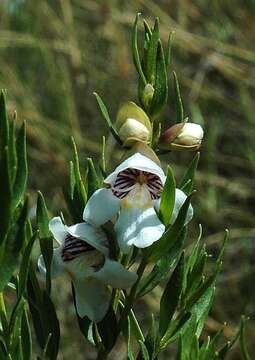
[147, 95]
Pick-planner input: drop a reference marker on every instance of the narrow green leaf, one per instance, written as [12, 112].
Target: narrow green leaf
[151, 58]
[12, 151]
[44, 316]
[92, 178]
[78, 179]
[20, 183]
[46, 347]
[161, 247]
[26, 336]
[147, 28]
[178, 100]
[144, 351]
[169, 48]
[5, 196]
[163, 266]
[179, 355]
[174, 330]
[45, 237]
[167, 198]
[160, 95]
[3, 317]
[135, 327]
[135, 52]
[106, 117]
[151, 340]
[24, 266]
[171, 296]
[187, 181]
[9, 258]
[71, 179]
[102, 161]
[108, 322]
[243, 345]
[4, 125]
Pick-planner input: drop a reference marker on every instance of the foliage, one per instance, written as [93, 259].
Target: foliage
[52, 151]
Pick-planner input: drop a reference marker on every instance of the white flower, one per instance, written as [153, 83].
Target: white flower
[191, 134]
[83, 254]
[135, 188]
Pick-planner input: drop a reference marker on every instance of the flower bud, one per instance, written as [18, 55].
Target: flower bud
[147, 96]
[133, 124]
[182, 136]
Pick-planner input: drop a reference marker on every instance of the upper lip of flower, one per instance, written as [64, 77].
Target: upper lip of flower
[137, 169]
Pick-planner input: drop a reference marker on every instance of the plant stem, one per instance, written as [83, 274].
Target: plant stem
[131, 297]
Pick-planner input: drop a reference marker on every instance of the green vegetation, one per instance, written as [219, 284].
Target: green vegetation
[55, 54]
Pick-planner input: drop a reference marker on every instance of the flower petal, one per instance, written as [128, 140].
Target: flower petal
[93, 236]
[57, 266]
[139, 162]
[114, 274]
[138, 226]
[180, 198]
[58, 229]
[101, 207]
[92, 298]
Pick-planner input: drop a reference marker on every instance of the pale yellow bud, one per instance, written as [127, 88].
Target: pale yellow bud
[182, 136]
[191, 134]
[133, 130]
[133, 124]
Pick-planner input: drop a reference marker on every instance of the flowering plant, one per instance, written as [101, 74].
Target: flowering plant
[129, 235]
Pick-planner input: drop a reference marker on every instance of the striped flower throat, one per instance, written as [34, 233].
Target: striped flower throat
[74, 248]
[136, 184]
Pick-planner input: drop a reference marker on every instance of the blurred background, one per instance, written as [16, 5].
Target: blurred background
[55, 53]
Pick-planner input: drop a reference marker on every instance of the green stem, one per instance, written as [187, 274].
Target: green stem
[131, 297]
[3, 315]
